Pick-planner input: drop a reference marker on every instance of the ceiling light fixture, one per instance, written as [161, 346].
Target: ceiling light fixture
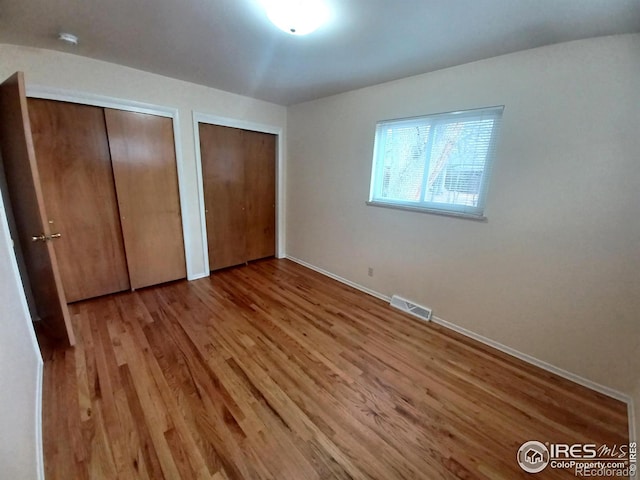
[297, 17]
[69, 38]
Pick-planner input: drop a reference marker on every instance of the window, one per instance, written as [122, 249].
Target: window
[436, 163]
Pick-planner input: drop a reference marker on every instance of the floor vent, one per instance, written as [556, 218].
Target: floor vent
[419, 311]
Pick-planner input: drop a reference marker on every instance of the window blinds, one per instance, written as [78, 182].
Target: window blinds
[437, 162]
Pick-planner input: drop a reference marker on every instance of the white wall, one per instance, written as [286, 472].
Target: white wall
[20, 372]
[554, 273]
[71, 72]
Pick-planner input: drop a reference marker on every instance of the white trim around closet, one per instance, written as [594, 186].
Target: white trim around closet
[52, 93]
[199, 117]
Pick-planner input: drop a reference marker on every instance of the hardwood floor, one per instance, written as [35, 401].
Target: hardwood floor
[272, 371]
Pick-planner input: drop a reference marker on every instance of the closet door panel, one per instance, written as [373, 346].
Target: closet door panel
[26, 201]
[72, 152]
[260, 193]
[221, 151]
[144, 166]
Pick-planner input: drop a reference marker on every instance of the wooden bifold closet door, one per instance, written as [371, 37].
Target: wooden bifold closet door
[260, 193]
[144, 167]
[72, 152]
[110, 186]
[238, 170]
[33, 233]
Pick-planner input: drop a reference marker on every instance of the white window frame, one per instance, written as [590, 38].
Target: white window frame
[450, 209]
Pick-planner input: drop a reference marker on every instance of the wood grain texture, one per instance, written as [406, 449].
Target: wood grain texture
[223, 177]
[72, 151]
[260, 193]
[29, 212]
[239, 181]
[272, 371]
[144, 167]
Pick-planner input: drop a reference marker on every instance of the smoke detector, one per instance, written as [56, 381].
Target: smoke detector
[68, 38]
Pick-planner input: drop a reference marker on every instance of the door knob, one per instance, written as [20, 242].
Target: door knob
[44, 238]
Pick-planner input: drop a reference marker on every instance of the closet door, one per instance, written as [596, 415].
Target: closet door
[28, 207]
[260, 193]
[223, 173]
[72, 152]
[144, 167]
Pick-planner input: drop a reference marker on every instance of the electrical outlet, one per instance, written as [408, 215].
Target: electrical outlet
[371, 271]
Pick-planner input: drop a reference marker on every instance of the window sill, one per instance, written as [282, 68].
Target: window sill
[467, 216]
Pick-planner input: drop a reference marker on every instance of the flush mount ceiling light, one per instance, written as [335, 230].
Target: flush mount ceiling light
[69, 38]
[297, 17]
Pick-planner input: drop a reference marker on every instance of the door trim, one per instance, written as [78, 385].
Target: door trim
[63, 95]
[200, 117]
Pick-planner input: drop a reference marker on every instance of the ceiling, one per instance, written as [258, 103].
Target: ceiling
[230, 44]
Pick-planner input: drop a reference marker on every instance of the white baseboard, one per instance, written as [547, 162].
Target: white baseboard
[197, 276]
[535, 361]
[503, 348]
[39, 439]
[357, 286]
